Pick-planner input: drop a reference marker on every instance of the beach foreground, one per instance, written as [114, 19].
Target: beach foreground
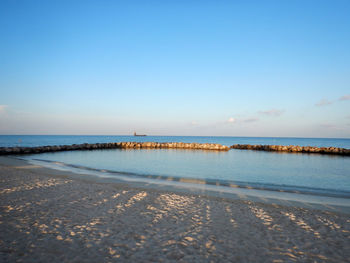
[50, 216]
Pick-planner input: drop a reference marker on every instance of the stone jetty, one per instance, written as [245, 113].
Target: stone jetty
[173, 145]
[293, 149]
[116, 145]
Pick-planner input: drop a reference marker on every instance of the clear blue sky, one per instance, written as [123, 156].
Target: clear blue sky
[233, 68]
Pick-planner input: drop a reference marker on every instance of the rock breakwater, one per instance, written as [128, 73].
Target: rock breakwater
[173, 145]
[293, 149]
[116, 145]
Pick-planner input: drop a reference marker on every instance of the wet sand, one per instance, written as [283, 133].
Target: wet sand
[52, 216]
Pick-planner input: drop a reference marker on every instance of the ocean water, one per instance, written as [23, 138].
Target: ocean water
[327, 175]
[42, 140]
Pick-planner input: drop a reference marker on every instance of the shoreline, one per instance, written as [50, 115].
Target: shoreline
[52, 215]
[198, 186]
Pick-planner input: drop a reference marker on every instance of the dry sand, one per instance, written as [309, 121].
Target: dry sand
[49, 216]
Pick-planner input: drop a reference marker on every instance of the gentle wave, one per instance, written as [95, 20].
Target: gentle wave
[208, 181]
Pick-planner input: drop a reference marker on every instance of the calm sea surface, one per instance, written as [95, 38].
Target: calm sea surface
[42, 140]
[309, 173]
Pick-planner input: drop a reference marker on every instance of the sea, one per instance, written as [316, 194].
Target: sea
[313, 174]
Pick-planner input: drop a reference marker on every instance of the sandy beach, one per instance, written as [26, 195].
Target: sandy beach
[52, 216]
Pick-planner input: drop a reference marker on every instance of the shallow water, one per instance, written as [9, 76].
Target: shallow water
[306, 173]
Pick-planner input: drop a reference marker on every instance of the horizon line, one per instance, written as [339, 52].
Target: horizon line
[131, 135]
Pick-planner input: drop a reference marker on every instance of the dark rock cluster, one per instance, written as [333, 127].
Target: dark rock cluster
[116, 145]
[293, 149]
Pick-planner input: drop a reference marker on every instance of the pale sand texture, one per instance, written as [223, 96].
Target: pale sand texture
[48, 217]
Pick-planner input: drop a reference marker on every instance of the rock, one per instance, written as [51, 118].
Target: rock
[292, 148]
[174, 145]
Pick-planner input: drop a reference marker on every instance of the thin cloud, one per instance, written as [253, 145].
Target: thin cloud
[323, 103]
[250, 120]
[326, 125]
[331, 126]
[194, 123]
[231, 120]
[3, 108]
[345, 97]
[272, 112]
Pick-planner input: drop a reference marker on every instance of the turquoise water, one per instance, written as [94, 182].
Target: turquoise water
[306, 173]
[42, 140]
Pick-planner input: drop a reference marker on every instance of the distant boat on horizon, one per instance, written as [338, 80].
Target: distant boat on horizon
[135, 134]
